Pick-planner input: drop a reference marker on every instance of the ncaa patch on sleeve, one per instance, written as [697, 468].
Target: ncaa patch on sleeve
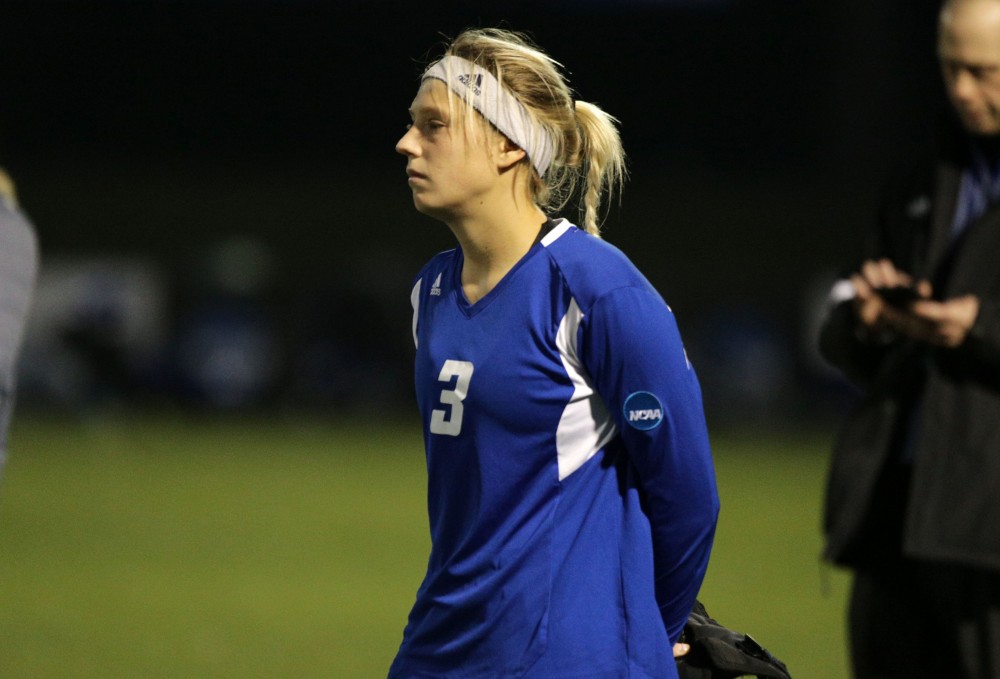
[643, 410]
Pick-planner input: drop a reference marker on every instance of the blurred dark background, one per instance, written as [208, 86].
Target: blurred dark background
[225, 224]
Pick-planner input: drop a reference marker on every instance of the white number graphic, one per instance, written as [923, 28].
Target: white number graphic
[441, 423]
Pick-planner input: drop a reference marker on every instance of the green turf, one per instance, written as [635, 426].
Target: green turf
[153, 548]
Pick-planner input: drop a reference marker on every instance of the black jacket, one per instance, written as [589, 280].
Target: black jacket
[953, 510]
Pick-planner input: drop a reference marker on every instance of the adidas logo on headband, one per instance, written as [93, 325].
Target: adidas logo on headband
[474, 83]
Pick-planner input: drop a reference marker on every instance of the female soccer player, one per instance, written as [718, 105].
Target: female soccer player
[572, 496]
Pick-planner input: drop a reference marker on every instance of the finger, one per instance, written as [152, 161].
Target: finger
[862, 287]
[867, 305]
[928, 310]
[883, 273]
[951, 320]
[888, 273]
[681, 649]
[894, 276]
[950, 311]
[874, 274]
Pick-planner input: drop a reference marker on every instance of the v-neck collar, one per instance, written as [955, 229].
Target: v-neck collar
[470, 309]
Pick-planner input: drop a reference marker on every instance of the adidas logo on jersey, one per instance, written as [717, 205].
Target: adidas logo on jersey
[436, 287]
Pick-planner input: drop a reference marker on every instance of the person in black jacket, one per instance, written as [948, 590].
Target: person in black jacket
[913, 497]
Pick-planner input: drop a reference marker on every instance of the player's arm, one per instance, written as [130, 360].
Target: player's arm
[633, 351]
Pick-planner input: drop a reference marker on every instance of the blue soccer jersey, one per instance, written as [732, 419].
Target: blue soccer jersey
[571, 491]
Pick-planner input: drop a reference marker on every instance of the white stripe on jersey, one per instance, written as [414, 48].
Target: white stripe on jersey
[585, 426]
[415, 303]
[561, 227]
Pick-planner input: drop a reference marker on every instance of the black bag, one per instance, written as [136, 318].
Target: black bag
[721, 653]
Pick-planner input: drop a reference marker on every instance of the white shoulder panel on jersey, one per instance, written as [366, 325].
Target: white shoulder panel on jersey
[585, 426]
[561, 227]
[415, 303]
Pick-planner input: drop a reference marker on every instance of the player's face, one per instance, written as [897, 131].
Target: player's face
[448, 162]
[969, 50]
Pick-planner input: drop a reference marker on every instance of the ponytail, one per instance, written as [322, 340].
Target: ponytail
[603, 161]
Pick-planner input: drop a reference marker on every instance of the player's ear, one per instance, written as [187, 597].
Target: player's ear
[509, 154]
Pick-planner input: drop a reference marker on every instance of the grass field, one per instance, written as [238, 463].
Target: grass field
[146, 548]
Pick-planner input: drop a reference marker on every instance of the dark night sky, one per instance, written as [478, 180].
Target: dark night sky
[310, 79]
[756, 131]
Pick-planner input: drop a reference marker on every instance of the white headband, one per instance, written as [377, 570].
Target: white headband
[497, 105]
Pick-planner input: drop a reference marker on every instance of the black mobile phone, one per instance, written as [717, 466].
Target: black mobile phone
[898, 295]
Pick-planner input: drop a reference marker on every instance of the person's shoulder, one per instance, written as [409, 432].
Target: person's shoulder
[437, 264]
[591, 266]
[566, 242]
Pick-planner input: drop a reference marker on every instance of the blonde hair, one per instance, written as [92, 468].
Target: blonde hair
[588, 151]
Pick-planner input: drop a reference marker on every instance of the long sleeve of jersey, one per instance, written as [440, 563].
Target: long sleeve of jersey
[631, 346]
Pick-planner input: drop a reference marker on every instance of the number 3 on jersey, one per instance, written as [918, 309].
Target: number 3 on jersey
[441, 421]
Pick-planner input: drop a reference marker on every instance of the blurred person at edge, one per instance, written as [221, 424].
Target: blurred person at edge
[18, 271]
[913, 496]
[572, 496]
